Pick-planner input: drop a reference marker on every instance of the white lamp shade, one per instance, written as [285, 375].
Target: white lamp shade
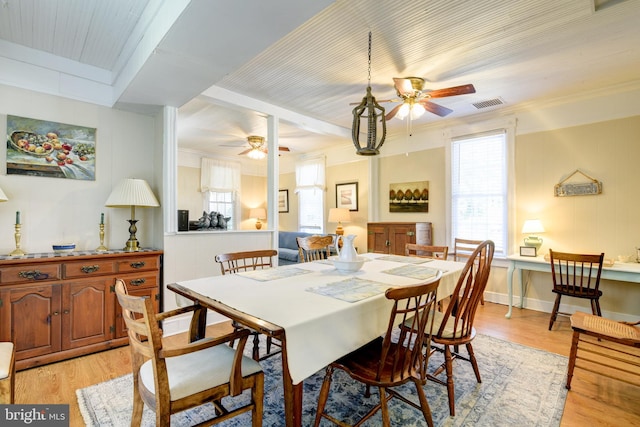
[132, 192]
[258, 213]
[3, 197]
[339, 215]
[532, 226]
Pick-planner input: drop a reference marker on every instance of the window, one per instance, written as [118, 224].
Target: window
[310, 187]
[222, 202]
[479, 189]
[220, 187]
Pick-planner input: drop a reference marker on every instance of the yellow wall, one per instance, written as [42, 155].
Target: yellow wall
[426, 165]
[607, 151]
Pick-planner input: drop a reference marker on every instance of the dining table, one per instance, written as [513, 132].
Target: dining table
[317, 312]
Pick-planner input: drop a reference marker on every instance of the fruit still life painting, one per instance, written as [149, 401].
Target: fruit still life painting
[49, 149]
[409, 197]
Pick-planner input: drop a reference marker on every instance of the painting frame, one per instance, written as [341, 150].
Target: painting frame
[409, 197]
[44, 148]
[347, 196]
[283, 201]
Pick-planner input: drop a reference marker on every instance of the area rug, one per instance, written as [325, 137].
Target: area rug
[520, 386]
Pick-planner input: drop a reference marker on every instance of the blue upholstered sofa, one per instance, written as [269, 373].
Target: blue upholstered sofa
[288, 246]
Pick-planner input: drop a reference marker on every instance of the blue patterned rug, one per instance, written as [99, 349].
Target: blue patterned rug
[520, 386]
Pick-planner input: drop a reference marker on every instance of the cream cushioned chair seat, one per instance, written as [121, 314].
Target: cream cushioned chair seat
[187, 373]
[6, 354]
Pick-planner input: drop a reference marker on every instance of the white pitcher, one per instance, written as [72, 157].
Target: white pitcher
[348, 251]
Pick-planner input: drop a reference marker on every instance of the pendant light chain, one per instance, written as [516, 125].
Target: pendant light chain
[369, 76]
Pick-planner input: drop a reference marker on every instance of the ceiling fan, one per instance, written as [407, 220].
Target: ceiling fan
[416, 100]
[258, 148]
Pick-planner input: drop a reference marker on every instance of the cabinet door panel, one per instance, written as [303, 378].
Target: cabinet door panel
[399, 236]
[377, 239]
[34, 316]
[87, 312]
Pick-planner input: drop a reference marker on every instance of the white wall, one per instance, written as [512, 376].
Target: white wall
[55, 210]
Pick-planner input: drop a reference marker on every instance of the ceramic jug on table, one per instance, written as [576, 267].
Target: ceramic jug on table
[348, 251]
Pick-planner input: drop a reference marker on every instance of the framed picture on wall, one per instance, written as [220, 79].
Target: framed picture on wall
[347, 196]
[283, 201]
[50, 149]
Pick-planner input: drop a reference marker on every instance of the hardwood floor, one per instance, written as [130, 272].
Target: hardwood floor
[593, 400]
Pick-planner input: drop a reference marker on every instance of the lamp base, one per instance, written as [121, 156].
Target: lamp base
[132, 243]
[258, 225]
[533, 241]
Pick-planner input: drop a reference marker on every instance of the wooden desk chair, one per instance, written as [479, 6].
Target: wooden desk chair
[426, 251]
[386, 364]
[602, 346]
[462, 250]
[578, 276]
[173, 379]
[314, 248]
[454, 326]
[234, 262]
[7, 372]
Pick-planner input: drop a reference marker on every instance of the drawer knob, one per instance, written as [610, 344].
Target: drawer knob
[138, 282]
[33, 275]
[90, 268]
[138, 264]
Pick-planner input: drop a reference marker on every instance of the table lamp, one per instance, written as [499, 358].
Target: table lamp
[132, 192]
[532, 227]
[258, 214]
[339, 215]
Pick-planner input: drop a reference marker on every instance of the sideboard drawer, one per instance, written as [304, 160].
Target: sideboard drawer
[30, 273]
[142, 280]
[88, 268]
[139, 263]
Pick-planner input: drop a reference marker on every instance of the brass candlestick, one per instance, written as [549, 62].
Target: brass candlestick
[102, 247]
[17, 251]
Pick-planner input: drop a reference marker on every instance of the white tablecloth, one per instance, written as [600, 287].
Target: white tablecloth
[319, 329]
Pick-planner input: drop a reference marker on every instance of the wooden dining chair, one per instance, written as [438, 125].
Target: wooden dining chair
[314, 248]
[578, 276]
[387, 363]
[454, 326]
[173, 379]
[426, 251]
[235, 262]
[605, 347]
[462, 250]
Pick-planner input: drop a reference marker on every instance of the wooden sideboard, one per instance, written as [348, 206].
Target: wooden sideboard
[391, 237]
[57, 306]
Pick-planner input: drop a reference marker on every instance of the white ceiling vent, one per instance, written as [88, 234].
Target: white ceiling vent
[488, 103]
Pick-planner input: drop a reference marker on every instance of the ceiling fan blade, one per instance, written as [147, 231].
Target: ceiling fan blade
[451, 91]
[245, 152]
[283, 148]
[435, 108]
[393, 112]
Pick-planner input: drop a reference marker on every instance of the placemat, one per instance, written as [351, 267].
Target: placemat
[352, 289]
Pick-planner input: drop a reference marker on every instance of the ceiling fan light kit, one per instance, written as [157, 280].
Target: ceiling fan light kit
[416, 100]
[258, 150]
[369, 110]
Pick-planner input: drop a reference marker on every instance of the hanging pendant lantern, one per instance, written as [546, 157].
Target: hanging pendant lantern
[369, 111]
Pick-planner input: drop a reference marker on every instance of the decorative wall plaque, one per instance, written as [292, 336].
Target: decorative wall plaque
[565, 189]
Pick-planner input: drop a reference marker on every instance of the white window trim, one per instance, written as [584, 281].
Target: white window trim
[509, 125]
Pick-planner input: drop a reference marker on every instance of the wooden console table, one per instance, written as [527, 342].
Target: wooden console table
[54, 306]
[622, 272]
